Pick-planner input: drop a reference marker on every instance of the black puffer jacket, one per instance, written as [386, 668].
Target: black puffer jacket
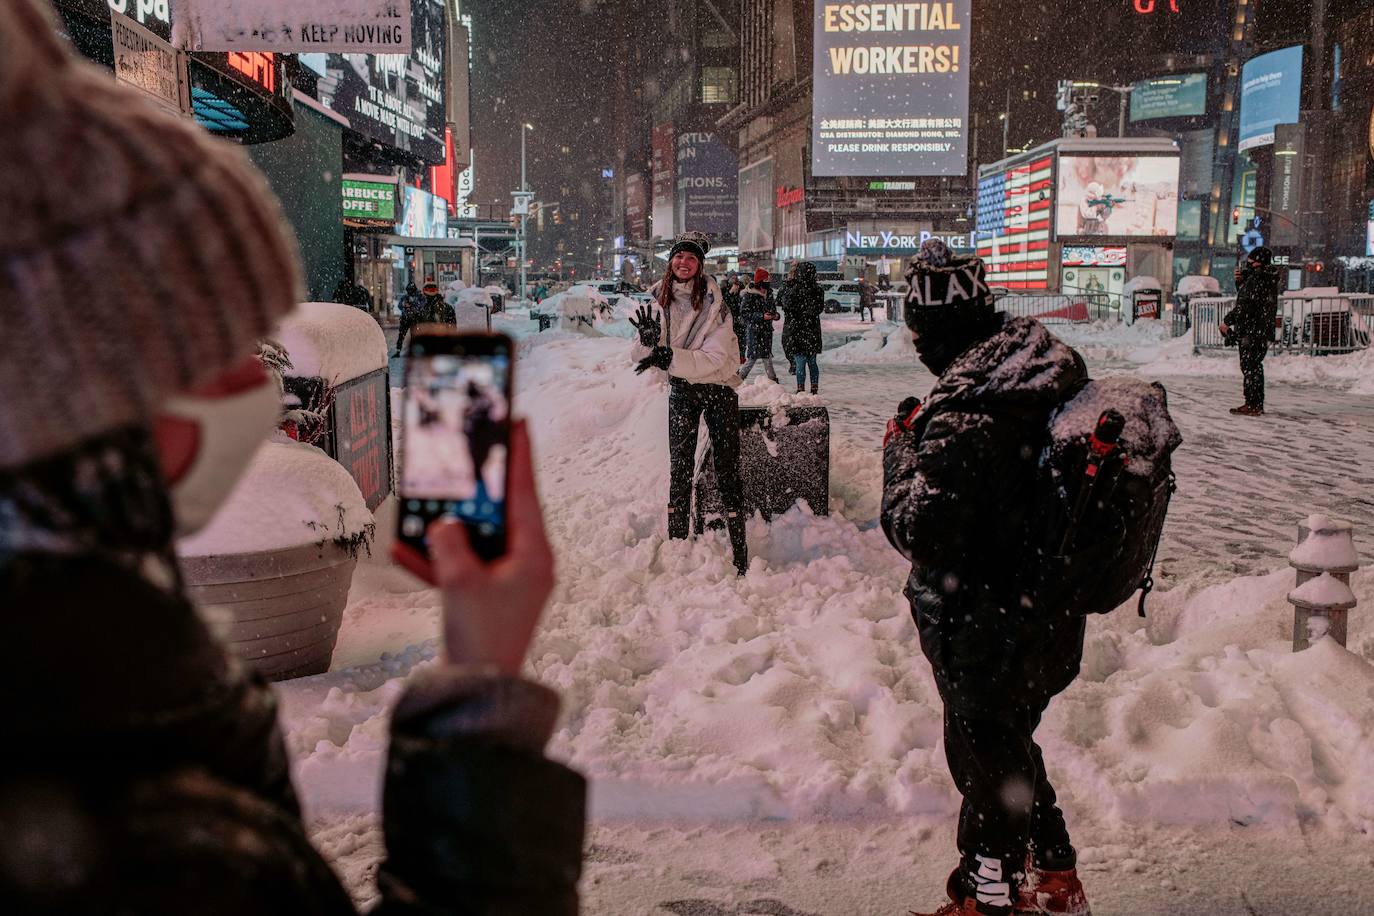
[801, 301]
[1257, 303]
[955, 499]
[149, 775]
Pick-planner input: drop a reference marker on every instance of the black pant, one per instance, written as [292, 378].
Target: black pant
[1009, 805]
[406, 324]
[686, 404]
[1252, 351]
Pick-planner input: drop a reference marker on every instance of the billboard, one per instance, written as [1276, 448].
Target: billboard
[707, 184]
[1117, 195]
[636, 207]
[423, 215]
[1015, 207]
[756, 207]
[369, 200]
[890, 90]
[395, 99]
[663, 162]
[1270, 93]
[1181, 95]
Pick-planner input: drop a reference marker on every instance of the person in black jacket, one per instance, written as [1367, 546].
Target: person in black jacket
[802, 302]
[414, 310]
[1251, 324]
[731, 291]
[756, 311]
[436, 308]
[957, 474]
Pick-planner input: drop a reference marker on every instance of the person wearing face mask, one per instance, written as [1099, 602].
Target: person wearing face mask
[689, 336]
[143, 767]
[958, 474]
[1251, 324]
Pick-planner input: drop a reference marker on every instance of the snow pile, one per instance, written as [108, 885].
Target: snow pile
[1352, 371]
[876, 346]
[291, 495]
[760, 391]
[1141, 342]
[1324, 591]
[1194, 284]
[1134, 284]
[1328, 546]
[332, 341]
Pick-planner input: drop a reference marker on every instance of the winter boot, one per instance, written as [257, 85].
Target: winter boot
[962, 905]
[678, 523]
[1052, 893]
[734, 524]
[800, 389]
[815, 389]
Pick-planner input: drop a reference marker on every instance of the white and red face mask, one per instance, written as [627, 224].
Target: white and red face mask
[207, 437]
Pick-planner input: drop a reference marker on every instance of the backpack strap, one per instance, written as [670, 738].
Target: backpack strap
[1147, 584]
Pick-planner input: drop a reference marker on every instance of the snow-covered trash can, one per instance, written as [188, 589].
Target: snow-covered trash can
[272, 570]
[472, 308]
[784, 459]
[1142, 297]
[337, 378]
[1324, 559]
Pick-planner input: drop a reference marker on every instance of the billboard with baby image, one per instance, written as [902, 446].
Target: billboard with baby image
[1120, 195]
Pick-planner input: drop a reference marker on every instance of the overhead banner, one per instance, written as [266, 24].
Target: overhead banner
[890, 89]
[707, 184]
[351, 26]
[395, 99]
[1270, 93]
[756, 207]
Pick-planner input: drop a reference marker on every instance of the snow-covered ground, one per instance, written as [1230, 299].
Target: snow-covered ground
[772, 744]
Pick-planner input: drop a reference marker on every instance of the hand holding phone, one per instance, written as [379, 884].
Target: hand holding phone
[490, 608]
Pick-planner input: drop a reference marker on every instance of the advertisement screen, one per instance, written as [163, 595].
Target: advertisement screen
[1013, 224]
[1179, 96]
[423, 216]
[707, 184]
[395, 99]
[369, 201]
[636, 207]
[756, 207]
[1270, 93]
[890, 89]
[1120, 195]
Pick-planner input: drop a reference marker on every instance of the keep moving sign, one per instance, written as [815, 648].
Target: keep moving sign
[301, 26]
[890, 89]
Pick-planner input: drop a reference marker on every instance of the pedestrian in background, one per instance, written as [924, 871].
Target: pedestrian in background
[757, 312]
[437, 309]
[413, 311]
[733, 290]
[689, 336]
[787, 352]
[1251, 324]
[867, 299]
[802, 302]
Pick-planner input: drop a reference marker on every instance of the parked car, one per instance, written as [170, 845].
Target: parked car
[841, 295]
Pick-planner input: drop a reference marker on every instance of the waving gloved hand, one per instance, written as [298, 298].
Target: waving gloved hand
[660, 358]
[647, 325]
[902, 423]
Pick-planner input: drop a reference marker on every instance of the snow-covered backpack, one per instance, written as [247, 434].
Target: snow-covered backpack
[1105, 478]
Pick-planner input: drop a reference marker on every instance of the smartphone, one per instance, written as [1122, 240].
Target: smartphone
[455, 435]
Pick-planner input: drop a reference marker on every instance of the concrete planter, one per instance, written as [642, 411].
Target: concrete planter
[279, 610]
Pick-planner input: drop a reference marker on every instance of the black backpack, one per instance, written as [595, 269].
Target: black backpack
[1105, 479]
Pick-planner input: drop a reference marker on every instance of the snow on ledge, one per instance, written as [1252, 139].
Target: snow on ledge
[332, 341]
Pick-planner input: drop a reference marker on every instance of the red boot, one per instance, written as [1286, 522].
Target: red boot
[1052, 893]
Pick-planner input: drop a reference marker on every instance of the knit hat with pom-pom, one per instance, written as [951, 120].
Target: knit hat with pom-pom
[140, 257]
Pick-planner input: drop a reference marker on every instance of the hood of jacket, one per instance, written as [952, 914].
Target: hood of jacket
[1021, 365]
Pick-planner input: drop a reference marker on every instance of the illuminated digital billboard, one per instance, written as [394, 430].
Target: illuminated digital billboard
[1015, 206]
[1270, 93]
[1179, 95]
[1117, 195]
[890, 89]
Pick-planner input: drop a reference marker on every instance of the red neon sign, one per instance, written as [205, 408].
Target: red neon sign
[1145, 7]
[787, 197]
[258, 66]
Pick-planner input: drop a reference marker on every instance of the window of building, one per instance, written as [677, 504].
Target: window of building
[718, 85]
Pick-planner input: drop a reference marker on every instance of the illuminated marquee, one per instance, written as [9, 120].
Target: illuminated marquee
[258, 66]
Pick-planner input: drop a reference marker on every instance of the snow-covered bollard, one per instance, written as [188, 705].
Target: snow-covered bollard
[1324, 558]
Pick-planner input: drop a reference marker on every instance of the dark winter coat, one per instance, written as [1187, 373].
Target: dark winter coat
[756, 313]
[438, 310]
[136, 736]
[955, 502]
[1257, 303]
[801, 303]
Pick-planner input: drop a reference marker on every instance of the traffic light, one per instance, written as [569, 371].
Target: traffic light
[1235, 216]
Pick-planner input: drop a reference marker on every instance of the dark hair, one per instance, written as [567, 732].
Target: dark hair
[665, 287]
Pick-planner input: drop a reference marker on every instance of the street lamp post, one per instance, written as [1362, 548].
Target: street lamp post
[520, 239]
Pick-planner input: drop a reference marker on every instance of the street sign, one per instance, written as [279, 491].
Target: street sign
[148, 63]
[521, 207]
[342, 26]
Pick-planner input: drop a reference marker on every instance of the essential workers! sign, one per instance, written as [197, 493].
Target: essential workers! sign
[891, 89]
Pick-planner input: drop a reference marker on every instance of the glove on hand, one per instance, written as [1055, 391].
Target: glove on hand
[660, 358]
[647, 325]
[902, 423]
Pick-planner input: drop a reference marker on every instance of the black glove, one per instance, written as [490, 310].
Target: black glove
[660, 358]
[647, 325]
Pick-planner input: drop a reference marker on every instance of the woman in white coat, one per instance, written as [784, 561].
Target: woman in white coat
[690, 336]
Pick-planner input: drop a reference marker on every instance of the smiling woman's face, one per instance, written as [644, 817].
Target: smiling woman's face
[685, 265]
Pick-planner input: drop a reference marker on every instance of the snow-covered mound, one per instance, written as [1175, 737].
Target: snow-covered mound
[332, 341]
[291, 495]
[888, 344]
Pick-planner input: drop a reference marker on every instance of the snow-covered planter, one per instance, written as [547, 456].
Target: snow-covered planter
[272, 571]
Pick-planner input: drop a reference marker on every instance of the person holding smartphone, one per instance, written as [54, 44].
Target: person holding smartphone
[690, 337]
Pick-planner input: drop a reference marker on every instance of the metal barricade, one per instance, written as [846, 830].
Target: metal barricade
[1305, 326]
[1068, 307]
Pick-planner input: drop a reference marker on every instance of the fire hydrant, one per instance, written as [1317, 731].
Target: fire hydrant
[1324, 558]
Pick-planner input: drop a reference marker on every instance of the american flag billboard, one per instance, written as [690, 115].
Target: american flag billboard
[1015, 209]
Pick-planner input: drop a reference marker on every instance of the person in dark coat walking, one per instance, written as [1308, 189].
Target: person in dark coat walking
[1251, 324]
[957, 474]
[689, 337]
[149, 775]
[802, 304]
[868, 299]
[436, 308]
[414, 310]
[732, 291]
[756, 311]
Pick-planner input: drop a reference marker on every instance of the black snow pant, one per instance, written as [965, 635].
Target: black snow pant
[401, 337]
[1009, 806]
[1252, 352]
[686, 405]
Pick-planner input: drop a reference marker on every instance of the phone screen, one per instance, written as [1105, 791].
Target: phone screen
[455, 440]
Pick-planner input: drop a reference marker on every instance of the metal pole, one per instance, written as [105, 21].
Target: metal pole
[1006, 124]
[1121, 117]
[520, 240]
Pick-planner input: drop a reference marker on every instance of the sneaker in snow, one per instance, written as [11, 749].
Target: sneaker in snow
[1052, 893]
[960, 905]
